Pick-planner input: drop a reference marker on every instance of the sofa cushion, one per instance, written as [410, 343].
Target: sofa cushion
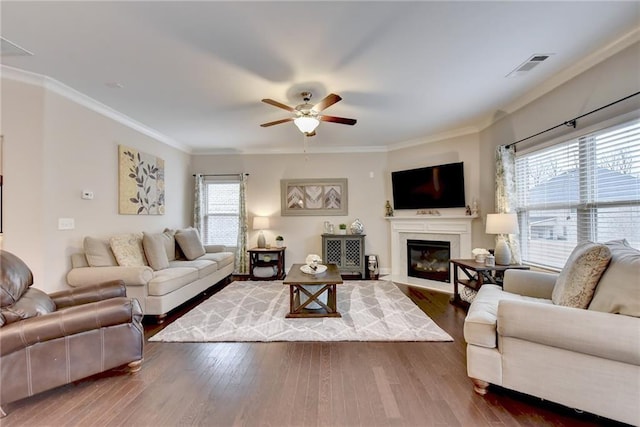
[221, 258]
[579, 277]
[204, 267]
[98, 252]
[15, 278]
[480, 323]
[170, 243]
[155, 250]
[189, 241]
[168, 280]
[618, 290]
[33, 303]
[128, 250]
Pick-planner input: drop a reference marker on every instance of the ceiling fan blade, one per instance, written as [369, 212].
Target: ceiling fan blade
[327, 102]
[277, 122]
[340, 120]
[278, 104]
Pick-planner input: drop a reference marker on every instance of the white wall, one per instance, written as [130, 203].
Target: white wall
[55, 148]
[302, 233]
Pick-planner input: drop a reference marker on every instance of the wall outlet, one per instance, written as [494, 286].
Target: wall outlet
[66, 224]
[87, 195]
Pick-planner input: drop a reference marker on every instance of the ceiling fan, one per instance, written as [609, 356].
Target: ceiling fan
[306, 116]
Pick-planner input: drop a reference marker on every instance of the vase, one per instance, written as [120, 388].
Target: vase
[357, 227]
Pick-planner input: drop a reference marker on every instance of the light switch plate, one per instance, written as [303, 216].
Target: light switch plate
[66, 224]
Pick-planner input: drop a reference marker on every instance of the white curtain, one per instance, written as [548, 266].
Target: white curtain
[506, 192]
[198, 200]
[242, 260]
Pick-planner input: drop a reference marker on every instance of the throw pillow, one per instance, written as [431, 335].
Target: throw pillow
[98, 252]
[579, 277]
[128, 250]
[155, 251]
[618, 291]
[190, 243]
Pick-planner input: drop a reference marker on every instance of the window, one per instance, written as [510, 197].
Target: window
[222, 213]
[587, 188]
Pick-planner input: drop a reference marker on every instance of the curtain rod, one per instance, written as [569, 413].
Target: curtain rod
[223, 174]
[573, 122]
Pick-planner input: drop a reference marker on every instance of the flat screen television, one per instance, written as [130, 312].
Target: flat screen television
[431, 187]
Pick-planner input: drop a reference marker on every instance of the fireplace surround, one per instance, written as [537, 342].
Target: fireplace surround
[455, 230]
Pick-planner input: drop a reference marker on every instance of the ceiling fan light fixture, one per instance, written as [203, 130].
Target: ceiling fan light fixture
[306, 124]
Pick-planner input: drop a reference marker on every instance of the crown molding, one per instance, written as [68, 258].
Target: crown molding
[293, 150]
[79, 98]
[455, 133]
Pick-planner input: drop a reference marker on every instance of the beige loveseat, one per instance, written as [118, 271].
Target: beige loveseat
[530, 336]
[160, 270]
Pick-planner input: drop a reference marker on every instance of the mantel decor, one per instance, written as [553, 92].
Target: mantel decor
[314, 197]
[141, 178]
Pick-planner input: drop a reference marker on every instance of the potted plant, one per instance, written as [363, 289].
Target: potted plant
[279, 241]
[342, 229]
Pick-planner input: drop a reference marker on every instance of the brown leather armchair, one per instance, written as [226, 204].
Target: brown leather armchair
[50, 340]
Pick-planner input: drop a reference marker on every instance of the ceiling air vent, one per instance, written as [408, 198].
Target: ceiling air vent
[529, 64]
[8, 48]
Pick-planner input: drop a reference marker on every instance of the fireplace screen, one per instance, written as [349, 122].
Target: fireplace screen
[428, 259]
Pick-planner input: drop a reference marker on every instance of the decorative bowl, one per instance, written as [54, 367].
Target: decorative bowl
[308, 270]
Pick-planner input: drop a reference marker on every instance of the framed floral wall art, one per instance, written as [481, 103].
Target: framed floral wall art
[313, 197]
[141, 179]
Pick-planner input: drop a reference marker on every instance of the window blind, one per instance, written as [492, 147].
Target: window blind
[586, 188]
[222, 212]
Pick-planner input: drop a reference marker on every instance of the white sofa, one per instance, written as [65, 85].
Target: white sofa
[524, 336]
[160, 270]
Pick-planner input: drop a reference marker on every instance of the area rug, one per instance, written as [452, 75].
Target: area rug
[255, 311]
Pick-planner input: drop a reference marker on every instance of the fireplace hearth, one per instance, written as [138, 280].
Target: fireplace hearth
[428, 259]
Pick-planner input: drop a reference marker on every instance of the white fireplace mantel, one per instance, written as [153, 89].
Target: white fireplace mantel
[456, 230]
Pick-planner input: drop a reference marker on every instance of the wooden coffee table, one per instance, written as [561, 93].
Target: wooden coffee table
[297, 280]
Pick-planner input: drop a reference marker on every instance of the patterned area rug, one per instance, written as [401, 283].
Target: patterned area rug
[255, 311]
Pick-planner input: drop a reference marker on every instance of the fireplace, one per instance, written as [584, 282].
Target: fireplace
[428, 259]
[455, 229]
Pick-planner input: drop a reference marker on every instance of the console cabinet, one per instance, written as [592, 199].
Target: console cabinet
[346, 251]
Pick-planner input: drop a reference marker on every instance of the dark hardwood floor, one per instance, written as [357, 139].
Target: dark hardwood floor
[295, 384]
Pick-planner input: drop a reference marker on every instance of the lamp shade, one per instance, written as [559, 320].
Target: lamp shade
[502, 223]
[260, 223]
[306, 124]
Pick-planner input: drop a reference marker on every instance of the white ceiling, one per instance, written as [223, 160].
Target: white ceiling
[407, 71]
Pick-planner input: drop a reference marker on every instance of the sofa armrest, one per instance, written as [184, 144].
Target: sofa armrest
[534, 284]
[212, 249]
[606, 335]
[131, 276]
[88, 294]
[69, 321]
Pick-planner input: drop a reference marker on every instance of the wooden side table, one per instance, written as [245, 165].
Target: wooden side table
[477, 274]
[263, 257]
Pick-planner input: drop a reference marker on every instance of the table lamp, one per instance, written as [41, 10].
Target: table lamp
[501, 224]
[261, 223]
